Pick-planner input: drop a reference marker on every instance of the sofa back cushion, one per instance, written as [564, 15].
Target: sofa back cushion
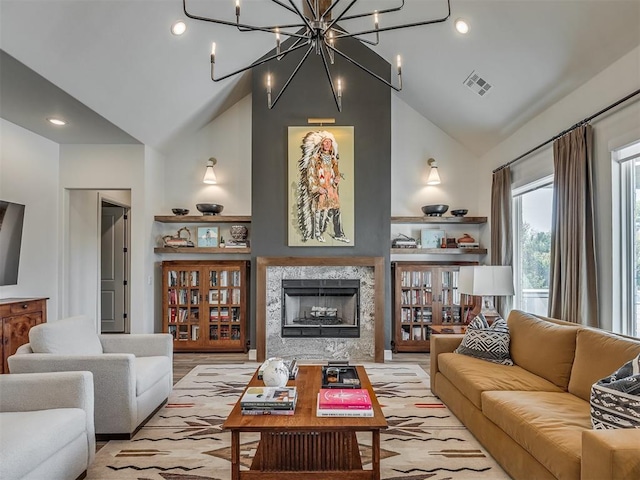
[69, 336]
[598, 355]
[542, 347]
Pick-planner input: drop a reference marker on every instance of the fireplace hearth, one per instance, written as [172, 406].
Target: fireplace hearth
[323, 308]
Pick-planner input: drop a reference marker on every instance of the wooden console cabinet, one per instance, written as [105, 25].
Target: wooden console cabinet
[18, 315]
[204, 304]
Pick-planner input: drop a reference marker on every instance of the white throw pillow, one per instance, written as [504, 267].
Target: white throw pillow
[69, 336]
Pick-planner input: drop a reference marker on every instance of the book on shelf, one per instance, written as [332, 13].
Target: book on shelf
[344, 399]
[269, 397]
[292, 366]
[342, 412]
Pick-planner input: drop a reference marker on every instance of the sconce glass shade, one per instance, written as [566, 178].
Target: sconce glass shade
[209, 174]
[486, 281]
[434, 176]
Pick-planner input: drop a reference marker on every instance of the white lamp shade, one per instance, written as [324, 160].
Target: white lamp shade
[434, 176]
[210, 176]
[486, 280]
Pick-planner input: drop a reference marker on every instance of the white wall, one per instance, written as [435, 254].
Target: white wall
[29, 175]
[119, 167]
[228, 139]
[154, 164]
[414, 140]
[610, 131]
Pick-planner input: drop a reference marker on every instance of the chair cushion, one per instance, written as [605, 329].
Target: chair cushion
[548, 425]
[149, 370]
[69, 336]
[29, 438]
[486, 342]
[615, 400]
[473, 376]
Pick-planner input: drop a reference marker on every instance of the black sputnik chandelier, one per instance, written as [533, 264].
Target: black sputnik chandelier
[318, 32]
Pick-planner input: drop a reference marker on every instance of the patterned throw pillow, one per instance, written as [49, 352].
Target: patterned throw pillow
[615, 400]
[487, 342]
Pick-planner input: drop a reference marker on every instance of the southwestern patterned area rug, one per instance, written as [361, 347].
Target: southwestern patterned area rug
[184, 440]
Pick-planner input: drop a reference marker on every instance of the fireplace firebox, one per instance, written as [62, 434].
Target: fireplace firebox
[321, 308]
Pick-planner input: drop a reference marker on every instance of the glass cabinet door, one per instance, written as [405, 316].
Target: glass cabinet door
[183, 304]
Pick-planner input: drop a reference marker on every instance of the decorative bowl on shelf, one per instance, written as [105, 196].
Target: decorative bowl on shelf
[434, 210]
[180, 211]
[460, 212]
[209, 208]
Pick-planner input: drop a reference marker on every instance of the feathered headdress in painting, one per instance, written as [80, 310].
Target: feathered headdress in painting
[311, 144]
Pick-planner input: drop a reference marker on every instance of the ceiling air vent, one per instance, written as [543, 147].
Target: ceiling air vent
[477, 84]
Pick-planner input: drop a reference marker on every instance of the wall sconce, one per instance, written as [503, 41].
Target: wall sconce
[434, 176]
[209, 174]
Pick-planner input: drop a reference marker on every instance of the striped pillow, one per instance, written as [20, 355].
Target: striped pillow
[487, 342]
[615, 400]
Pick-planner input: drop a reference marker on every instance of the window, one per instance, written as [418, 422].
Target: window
[532, 213]
[629, 235]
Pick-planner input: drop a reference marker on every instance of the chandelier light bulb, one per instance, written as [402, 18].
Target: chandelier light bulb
[237, 8]
[213, 49]
[375, 19]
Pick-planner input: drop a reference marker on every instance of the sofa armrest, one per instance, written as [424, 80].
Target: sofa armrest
[610, 454]
[43, 391]
[141, 345]
[114, 379]
[441, 344]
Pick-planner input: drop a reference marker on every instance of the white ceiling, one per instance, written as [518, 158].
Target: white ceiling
[119, 59]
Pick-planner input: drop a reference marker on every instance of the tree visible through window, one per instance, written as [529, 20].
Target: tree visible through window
[532, 246]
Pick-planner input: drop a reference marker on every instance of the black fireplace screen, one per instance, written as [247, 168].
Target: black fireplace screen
[321, 308]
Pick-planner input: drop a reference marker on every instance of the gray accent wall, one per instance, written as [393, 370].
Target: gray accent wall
[366, 105]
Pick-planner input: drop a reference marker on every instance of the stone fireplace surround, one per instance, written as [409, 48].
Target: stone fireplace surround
[271, 270]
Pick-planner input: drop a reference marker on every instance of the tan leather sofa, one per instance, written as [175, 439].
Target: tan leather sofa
[534, 417]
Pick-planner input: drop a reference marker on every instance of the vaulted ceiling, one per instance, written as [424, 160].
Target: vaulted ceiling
[119, 60]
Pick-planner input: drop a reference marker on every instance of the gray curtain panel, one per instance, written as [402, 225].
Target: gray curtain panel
[573, 292]
[501, 229]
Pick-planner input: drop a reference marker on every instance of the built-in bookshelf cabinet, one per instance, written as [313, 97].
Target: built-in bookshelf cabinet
[204, 304]
[426, 294]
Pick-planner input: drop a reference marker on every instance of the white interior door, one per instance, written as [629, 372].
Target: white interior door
[113, 268]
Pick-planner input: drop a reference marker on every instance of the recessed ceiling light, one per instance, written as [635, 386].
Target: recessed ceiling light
[56, 121]
[178, 28]
[462, 26]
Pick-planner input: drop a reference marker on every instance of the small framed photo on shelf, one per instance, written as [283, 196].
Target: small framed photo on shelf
[431, 238]
[207, 236]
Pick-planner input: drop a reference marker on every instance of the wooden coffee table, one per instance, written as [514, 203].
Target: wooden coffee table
[303, 445]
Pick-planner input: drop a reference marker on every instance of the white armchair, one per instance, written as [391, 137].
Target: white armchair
[132, 374]
[46, 420]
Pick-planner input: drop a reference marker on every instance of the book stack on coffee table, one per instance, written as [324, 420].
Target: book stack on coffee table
[269, 401]
[344, 402]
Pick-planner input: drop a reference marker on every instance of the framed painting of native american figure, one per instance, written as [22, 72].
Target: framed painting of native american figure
[321, 187]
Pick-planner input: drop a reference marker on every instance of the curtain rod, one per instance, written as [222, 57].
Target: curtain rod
[580, 123]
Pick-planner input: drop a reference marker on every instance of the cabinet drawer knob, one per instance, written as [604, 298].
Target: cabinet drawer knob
[25, 306]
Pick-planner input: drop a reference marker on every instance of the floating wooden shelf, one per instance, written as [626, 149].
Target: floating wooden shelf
[440, 220]
[203, 218]
[226, 251]
[440, 251]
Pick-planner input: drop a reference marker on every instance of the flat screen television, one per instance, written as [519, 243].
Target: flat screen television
[11, 220]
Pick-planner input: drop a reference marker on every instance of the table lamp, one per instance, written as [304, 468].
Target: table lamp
[486, 281]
